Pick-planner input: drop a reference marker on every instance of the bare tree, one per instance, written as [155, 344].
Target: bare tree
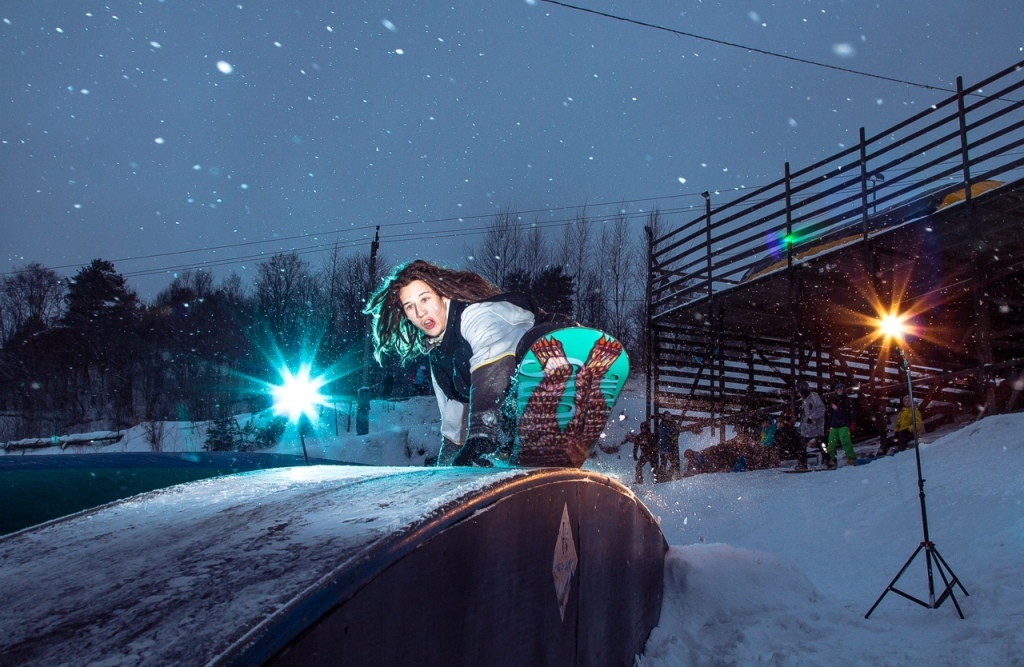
[285, 292]
[332, 287]
[501, 253]
[32, 294]
[199, 281]
[233, 289]
[347, 283]
[576, 254]
[536, 251]
[621, 260]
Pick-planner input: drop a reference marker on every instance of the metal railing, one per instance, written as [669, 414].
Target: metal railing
[886, 180]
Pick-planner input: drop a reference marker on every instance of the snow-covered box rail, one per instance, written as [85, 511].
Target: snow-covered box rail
[353, 564]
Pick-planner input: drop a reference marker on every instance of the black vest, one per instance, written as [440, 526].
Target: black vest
[449, 361]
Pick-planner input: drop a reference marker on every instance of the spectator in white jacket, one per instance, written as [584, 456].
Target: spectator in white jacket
[812, 422]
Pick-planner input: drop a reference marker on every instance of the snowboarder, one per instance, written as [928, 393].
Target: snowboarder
[470, 331]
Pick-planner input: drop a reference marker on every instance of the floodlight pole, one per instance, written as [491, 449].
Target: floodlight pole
[363, 393]
[931, 553]
[302, 438]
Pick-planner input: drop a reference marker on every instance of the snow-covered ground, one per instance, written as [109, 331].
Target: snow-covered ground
[773, 568]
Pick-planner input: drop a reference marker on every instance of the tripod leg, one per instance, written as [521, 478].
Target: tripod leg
[895, 579]
[956, 579]
[941, 566]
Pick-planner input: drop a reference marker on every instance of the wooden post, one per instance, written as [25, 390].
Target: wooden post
[707, 236]
[789, 219]
[979, 276]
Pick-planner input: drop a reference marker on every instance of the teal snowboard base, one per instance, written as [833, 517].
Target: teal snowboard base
[566, 386]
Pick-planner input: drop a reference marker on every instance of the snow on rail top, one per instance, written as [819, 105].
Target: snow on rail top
[178, 575]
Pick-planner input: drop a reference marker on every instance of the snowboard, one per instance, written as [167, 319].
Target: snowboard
[860, 462]
[565, 387]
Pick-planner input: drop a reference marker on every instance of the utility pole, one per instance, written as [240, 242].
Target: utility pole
[649, 328]
[363, 395]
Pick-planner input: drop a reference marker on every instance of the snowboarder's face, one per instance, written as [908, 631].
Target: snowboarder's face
[427, 311]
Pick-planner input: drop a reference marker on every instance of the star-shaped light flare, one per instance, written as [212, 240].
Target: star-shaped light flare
[299, 394]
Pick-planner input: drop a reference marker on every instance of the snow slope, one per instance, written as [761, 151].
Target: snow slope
[773, 568]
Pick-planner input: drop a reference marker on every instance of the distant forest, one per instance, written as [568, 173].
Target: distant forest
[86, 353]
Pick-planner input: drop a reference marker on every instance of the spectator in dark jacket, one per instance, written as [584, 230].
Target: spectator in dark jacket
[840, 426]
[645, 451]
[788, 440]
[668, 447]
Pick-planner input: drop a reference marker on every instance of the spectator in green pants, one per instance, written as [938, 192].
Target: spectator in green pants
[841, 424]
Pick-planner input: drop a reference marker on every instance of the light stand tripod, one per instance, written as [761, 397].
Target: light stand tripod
[931, 553]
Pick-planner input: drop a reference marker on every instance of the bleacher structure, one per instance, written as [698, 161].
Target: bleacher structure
[787, 282]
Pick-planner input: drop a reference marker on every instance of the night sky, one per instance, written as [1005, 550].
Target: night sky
[164, 134]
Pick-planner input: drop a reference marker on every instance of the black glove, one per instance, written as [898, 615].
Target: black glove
[487, 394]
[474, 451]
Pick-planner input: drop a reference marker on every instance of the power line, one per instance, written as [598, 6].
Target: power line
[734, 45]
[367, 227]
[414, 236]
[406, 237]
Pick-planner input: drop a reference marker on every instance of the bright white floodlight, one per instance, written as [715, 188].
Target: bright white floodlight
[298, 395]
[893, 327]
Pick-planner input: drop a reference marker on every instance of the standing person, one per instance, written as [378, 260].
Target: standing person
[881, 406]
[766, 435]
[767, 455]
[646, 446]
[904, 428]
[469, 330]
[812, 422]
[788, 440]
[420, 381]
[668, 447]
[840, 424]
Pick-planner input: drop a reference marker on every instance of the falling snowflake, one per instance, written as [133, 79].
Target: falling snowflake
[844, 50]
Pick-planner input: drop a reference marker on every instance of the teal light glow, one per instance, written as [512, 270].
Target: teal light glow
[299, 394]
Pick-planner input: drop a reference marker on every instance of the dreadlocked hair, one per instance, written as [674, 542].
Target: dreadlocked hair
[393, 333]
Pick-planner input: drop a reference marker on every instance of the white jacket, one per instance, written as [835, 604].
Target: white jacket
[812, 417]
[493, 329]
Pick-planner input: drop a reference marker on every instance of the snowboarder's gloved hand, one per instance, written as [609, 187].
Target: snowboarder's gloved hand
[474, 453]
[489, 387]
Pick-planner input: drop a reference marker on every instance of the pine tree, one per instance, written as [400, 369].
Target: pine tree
[103, 320]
